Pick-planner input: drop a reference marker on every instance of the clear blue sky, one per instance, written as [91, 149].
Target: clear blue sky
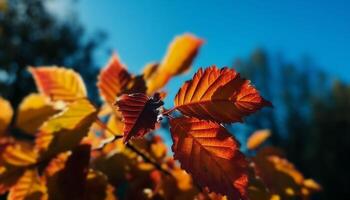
[140, 30]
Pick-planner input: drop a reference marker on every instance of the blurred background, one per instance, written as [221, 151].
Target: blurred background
[295, 52]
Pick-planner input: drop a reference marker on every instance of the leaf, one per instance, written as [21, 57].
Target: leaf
[9, 175]
[59, 83]
[65, 130]
[211, 155]
[33, 112]
[177, 60]
[218, 95]
[139, 113]
[5, 115]
[113, 79]
[257, 138]
[279, 175]
[70, 182]
[29, 186]
[20, 155]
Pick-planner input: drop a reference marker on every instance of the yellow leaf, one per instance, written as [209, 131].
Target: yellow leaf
[257, 138]
[310, 184]
[20, 154]
[115, 123]
[177, 60]
[29, 186]
[33, 111]
[180, 54]
[65, 130]
[59, 83]
[5, 115]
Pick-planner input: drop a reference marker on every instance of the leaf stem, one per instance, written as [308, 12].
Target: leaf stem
[167, 112]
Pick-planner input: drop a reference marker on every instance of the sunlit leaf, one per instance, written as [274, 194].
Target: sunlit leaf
[65, 130]
[29, 186]
[113, 79]
[211, 155]
[177, 60]
[59, 83]
[32, 112]
[218, 95]
[5, 115]
[139, 113]
[257, 138]
[20, 154]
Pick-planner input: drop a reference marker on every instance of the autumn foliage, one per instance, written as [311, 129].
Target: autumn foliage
[76, 150]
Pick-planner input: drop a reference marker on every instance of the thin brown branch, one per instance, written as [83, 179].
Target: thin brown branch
[148, 159]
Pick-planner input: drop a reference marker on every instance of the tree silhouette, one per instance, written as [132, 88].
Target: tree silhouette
[31, 36]
[310, 120]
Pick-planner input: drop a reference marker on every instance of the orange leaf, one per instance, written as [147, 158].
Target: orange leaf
[59, 83]
[29, 186]
[5, 115]
[257, 138]
[177, 60]
[8, 177]
[20, 154]
[32, 112]
[139, 113]
[113, 79]
[218, 95]
[279, 175]
[211, 155]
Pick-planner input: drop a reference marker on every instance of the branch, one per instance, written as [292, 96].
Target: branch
[148, 159]
[131, 147]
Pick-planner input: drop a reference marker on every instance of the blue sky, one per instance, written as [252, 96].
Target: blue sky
[141, 30]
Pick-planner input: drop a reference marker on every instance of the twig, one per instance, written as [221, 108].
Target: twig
[115, 136]
[147, 159]
[131, 147]
[167, 112]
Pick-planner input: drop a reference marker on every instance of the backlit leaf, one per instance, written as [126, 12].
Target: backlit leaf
[65, 130]
[211, 155]
[113, 79]
[177, 60]
[218, 95]
[32, 112]
[5, 115]
[20, 154]
[59, 83]
[257, 138]
[139, 113]
[29, 186]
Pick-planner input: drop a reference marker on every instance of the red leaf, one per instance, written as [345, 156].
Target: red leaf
[139, 113]
[209, 152]
[218, 95]
[113, 79]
